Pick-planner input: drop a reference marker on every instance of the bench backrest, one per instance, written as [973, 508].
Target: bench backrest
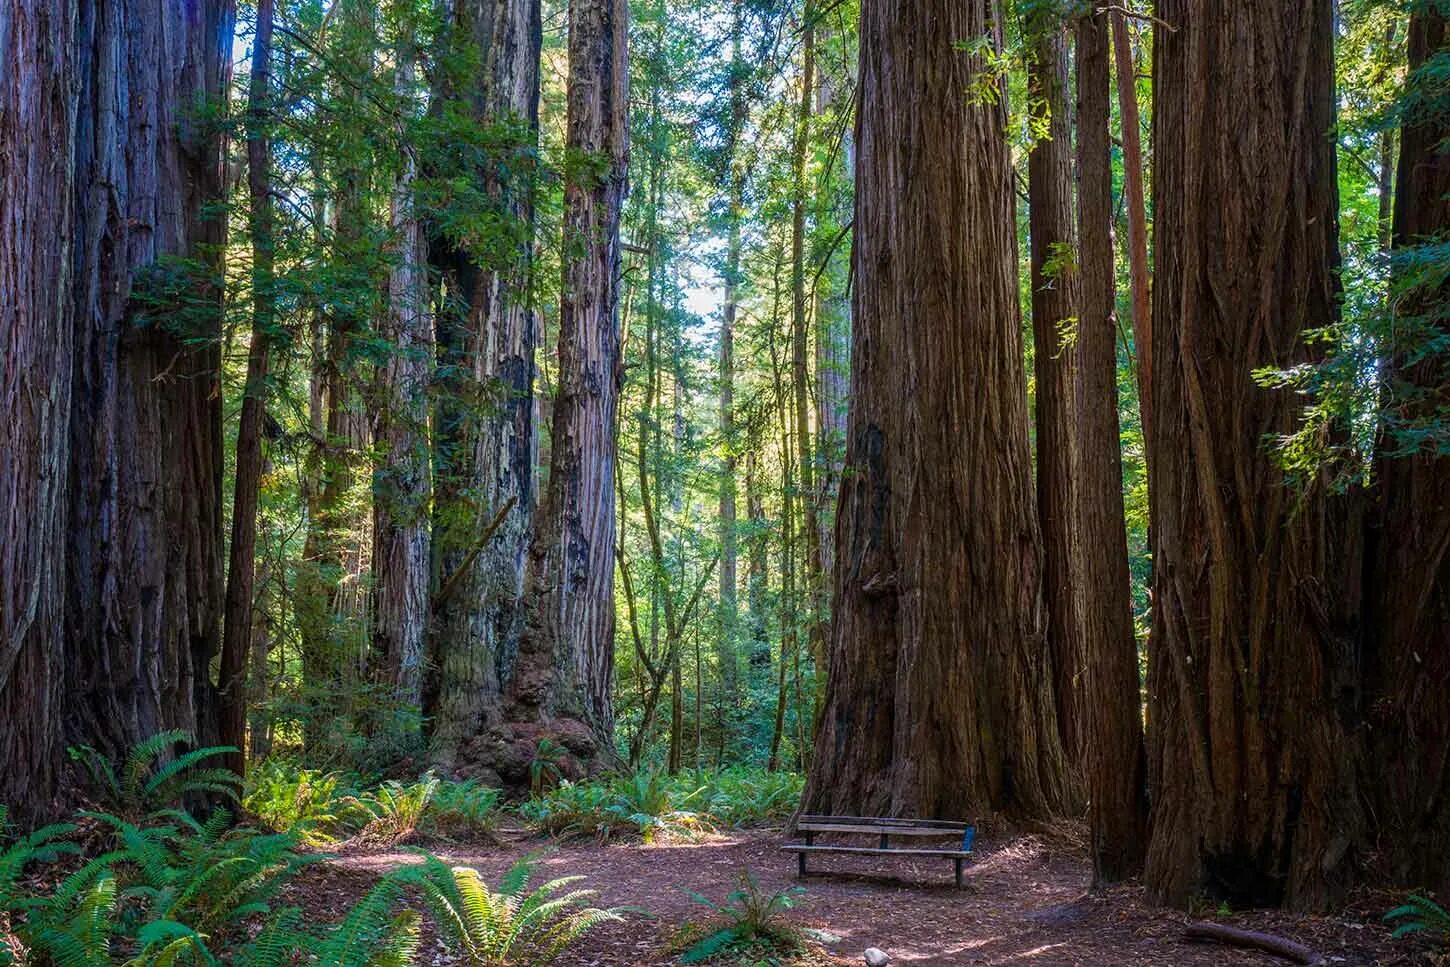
[877, 825]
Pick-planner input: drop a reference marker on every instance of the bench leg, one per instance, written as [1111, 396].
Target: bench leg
[801, 863]
[957, 862]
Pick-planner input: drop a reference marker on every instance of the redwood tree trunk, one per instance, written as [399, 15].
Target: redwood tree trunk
[1054, 307]
[1109, 713]
[37, 128]
[565, 668]
[1407, 594]
[401, 532]
[144, 581]
[484, 422]
[1253, 666]
[940, 700]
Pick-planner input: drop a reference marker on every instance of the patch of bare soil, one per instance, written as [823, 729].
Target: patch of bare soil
[1022, 904]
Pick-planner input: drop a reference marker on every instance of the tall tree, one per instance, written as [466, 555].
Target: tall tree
[1110, 721]
[401, 483]
[115, 567]
[37, 123]
[940, 697]
[1054, 312]
[485, 442]
[565, 667]
[241, 568]
[1407, 593]
[1252, 661]
[1137, 217]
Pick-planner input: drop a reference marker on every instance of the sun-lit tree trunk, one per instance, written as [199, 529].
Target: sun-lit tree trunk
[1127, 73]
[485, 443]
[1407, 593]
[241, 569]
[940, 698]
[810, 557]
[1109, 713]
[565, 666]
[1054, 309]
[37, 131]
[1253, 665]
[401, 483]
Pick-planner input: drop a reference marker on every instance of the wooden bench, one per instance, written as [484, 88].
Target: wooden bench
[884, 829]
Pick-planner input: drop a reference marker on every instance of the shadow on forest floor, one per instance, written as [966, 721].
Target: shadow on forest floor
[1022, 904]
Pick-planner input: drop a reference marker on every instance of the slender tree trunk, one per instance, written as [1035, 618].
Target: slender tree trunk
[1054, 309]
[401, 535]
[940, 697]
[484, 424]
[241, 571]
[565, 664]
[800, 369]
[757, 575]
[1407, 593]
[1252, 662]
[1109, 713]
[37, 134]
[1137, 219]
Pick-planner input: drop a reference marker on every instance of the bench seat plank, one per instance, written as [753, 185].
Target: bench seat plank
[864, 850]
[820, 827]
[883, 821]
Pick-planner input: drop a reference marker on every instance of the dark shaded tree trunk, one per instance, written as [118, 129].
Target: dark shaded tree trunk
[37, 127]
[485, 437]
[940, 698]
[401, 484]
[241, 570]
[1110, 721]
[1253, 664]
[565, 667]
[144, 575]
[1407, 591]
[1054, 307]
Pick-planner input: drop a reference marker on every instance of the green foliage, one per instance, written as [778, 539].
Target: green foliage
[395, 811]
[307, 803]
[509, 925]
[151, 778]
[1421, 915]
[749, 917]
[462, 807]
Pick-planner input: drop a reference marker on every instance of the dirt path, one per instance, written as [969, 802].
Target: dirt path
[1022, 905]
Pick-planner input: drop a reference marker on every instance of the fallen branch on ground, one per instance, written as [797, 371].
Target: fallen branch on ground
[1267, 942]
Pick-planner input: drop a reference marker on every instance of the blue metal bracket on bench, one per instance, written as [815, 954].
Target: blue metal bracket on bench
[968, 836]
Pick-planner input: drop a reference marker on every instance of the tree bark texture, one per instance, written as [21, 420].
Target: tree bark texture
[1407, 593]
[116, 569]
[401, 484]
[1253, 663]
[565, 667]
[1110, 723]
[485, 419]
[940, 701]
[1054, 307]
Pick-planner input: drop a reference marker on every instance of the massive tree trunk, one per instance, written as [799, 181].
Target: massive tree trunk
[940, 700]
[37, 130]
[1253, 664]
[400, 606]
[1054, 307]
[1109, 714]
[565, 667]
[485, 444]
[145, 546]
[241, 569]
[1407, 594]
[111, 521]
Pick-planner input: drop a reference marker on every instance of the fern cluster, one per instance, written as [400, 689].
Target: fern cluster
[750, 919]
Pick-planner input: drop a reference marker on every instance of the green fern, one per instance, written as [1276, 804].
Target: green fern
[488, 928]
[750, 916]
[1420, 914]
[154, 778]
[395, 811]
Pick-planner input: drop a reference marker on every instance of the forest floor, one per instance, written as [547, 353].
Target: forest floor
[1023, 902]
